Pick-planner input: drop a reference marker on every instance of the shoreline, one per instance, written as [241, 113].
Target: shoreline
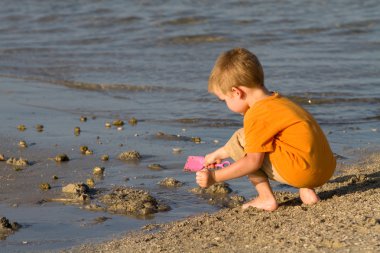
[347, 219]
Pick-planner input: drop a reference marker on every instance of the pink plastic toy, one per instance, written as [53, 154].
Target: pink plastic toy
[195, 163]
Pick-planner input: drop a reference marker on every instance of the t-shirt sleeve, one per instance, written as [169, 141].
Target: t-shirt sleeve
[259, 132]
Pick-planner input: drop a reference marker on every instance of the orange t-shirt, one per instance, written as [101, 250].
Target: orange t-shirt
[296, 145]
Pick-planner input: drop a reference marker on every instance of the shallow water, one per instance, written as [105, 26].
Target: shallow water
[118, 59]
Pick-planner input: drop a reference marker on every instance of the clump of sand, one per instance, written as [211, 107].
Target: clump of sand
[130, 155]
[215, 189]
[170, 182]
[18, 162]
[7, 228]
[127, 200]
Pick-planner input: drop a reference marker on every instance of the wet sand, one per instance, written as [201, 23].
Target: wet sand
[346, 220]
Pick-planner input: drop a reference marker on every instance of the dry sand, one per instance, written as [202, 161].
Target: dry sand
[346, 220]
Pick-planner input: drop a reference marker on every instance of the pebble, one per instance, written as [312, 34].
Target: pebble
[88, 152]
[62, 158]
[196, 139]
[77, 131]
[90, 182]
[118, 123]
[98, 171]
[39, 128]
[78, 188]
[155, 166]
[132, 121]
[83, 149]
[45, 186]
[105, 157]
[177, 150]
[21, 127]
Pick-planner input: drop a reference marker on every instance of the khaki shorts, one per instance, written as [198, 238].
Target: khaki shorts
[235, 148]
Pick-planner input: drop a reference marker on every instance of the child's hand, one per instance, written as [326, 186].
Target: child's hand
[211, 159]
[205, 178]
[215, 157]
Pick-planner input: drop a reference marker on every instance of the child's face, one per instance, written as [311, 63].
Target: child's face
[234, 100]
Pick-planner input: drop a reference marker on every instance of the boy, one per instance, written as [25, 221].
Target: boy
[280, 140]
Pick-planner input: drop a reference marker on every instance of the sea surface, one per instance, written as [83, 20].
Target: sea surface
[150, 60]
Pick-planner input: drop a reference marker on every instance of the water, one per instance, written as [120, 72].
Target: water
[151, 60]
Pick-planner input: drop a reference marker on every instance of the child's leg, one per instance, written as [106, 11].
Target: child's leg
[308, 196]
[235, 149]
[265, 199]
[235, 145]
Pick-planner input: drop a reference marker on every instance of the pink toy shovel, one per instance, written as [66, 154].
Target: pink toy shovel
[196, 163]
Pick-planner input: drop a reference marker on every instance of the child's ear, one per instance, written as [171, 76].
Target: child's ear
[237, 91]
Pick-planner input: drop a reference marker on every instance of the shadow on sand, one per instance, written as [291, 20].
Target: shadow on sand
[343, 185]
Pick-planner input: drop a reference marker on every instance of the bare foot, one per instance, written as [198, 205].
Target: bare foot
[268, 204]
[308, 196]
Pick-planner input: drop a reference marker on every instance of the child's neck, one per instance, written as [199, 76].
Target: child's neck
[255, 95]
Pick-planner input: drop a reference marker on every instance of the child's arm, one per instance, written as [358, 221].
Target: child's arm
[245, 166]
[216, 157]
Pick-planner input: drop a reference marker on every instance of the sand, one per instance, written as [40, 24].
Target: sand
[347, 219]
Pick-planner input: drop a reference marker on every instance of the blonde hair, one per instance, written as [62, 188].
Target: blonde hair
[236, 67]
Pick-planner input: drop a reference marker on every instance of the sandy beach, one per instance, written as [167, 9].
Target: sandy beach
[150, 61]
[346, 220]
